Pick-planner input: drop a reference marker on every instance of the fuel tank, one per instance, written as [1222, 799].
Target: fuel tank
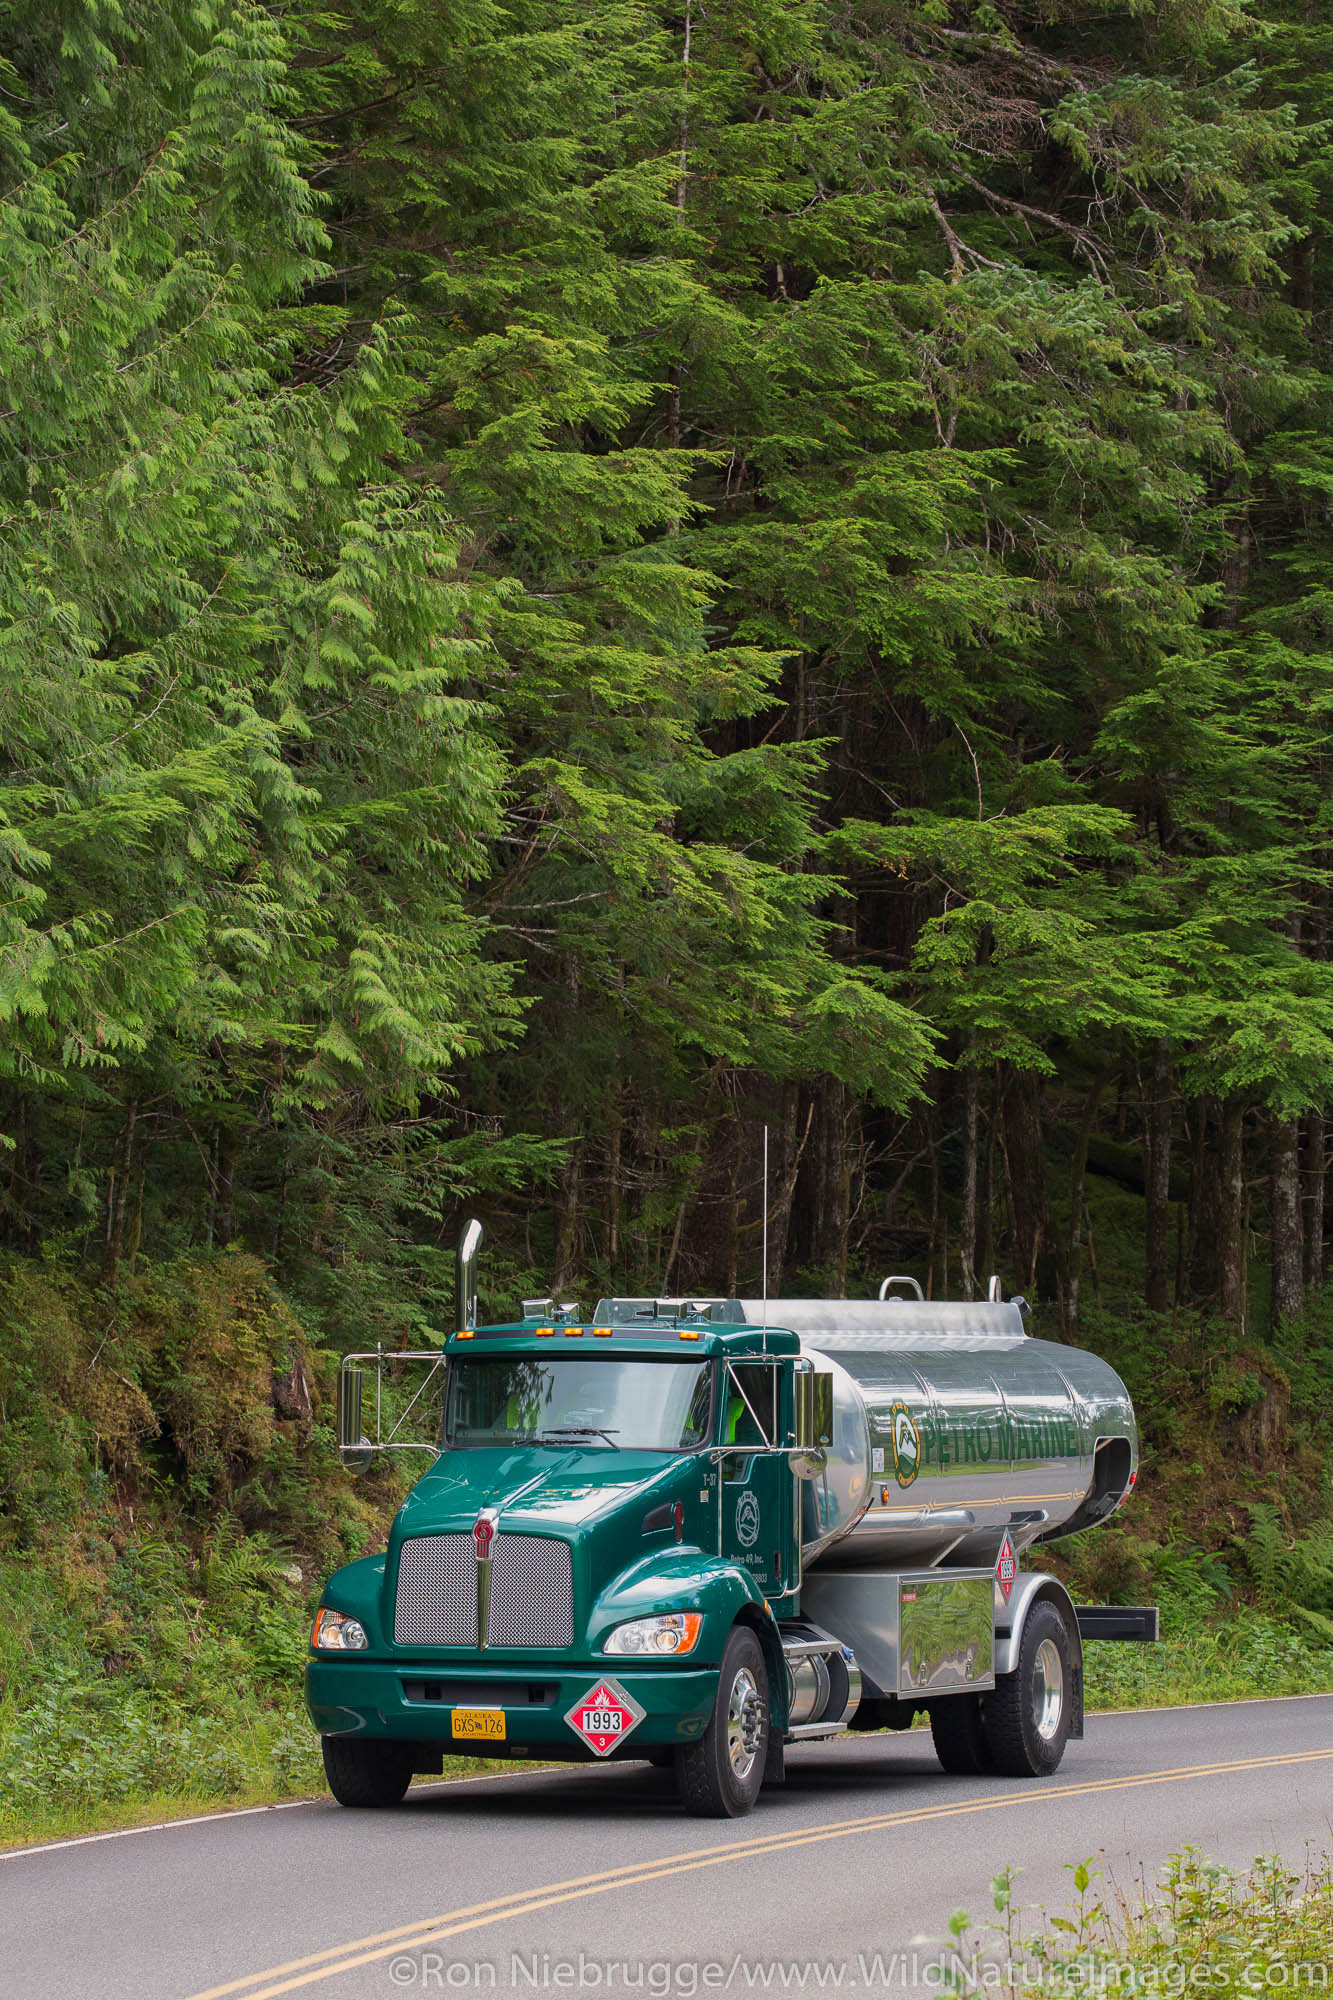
[951, 1427]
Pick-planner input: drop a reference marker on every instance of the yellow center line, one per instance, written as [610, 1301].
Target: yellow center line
[347, 1957]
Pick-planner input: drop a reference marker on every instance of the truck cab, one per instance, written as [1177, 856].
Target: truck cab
[613, 1513]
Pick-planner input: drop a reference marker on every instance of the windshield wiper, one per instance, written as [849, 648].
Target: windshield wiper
[577, 1431]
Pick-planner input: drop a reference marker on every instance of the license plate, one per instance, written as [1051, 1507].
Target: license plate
[487, 1722]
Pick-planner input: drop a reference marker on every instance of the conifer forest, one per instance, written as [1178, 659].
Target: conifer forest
[584, 579]
[580, 579]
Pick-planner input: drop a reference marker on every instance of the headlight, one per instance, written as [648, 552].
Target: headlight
[335, 1632]
[673, 1632]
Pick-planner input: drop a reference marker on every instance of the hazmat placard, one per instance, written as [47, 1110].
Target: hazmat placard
[605, 1716]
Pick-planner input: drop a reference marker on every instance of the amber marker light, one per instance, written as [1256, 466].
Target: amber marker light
[463, 1334]
[686, 1334]
[573, 1333]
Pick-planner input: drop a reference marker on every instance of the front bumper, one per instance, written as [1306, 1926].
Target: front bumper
[413, 1701]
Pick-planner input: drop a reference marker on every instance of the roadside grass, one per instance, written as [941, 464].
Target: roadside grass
[1202, 1929]
[71, 1821]
[1249, 1656]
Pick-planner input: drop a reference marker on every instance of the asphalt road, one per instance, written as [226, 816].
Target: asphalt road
[839, 1881]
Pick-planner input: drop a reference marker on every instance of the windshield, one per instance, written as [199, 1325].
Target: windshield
[574, 1399]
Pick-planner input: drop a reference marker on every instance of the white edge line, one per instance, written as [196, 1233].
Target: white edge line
[243, 1812]
[1232, 1701]
[494, 1777]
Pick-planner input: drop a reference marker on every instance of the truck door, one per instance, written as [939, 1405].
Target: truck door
[756, 1516]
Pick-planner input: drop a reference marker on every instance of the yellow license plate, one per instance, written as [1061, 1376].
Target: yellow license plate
[487, 1722]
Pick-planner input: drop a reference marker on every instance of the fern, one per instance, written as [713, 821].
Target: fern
[1289, 1571]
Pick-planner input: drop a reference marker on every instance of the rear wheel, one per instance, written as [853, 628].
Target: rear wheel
[1027, 1716]
[959, 1735]
[720, 1775]
[364, 1773]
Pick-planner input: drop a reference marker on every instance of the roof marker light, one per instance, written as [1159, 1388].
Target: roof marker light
[544, 1332]
[463, 1334]
[573, 1333]
[687, 1334]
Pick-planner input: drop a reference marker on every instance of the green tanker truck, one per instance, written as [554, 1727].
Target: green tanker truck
[699, 1531]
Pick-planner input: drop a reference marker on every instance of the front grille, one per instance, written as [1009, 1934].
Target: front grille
[532, 1592]
[437, 1592]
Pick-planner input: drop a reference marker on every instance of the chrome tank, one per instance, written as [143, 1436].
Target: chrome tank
[951, 1426]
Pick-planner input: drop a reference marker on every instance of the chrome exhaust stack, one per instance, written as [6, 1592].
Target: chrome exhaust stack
[468, 1245]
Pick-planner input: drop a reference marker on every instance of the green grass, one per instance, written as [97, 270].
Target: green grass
[1249, 1656]
[1203, 1930]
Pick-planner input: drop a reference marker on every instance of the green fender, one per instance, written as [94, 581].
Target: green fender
[358, 1589]
[686, 1579]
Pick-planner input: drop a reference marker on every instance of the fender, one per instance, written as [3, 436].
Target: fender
[358, 1589]
[1029, 1589]
[679, 1579]
[692, 1579]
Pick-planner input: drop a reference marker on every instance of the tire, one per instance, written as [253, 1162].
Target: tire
[958, 1732]
[1026, 1717]
[366, 1773]
[720, 1776]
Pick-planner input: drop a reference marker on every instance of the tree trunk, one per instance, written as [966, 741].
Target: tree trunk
[568, 1217]
[792, 1137]
[1231, 1212]
[614, 1145]
[1157, 1135]
[1077, 1174]
[1285, 1217]
[118, 1192]
[933, 1156]
[967, 1235]
[824, 1192]
[1312, 1197]
[1029, 1202]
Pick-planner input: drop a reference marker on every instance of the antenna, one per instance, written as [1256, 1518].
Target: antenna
[765, 1232]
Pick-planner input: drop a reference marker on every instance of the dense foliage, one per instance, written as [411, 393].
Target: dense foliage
[580, 579]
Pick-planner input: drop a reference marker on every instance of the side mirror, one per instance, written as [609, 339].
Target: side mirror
[353, 1448]
[814, 1410]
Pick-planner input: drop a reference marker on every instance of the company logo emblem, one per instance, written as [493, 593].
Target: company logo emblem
[1006, 1566]
[747, 1520]
[483, 1534]
[604, 1716]
[906, 1445]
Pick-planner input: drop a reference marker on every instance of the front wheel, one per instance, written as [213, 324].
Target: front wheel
[365, 1773]
[1028, 1713]
[720, 1775]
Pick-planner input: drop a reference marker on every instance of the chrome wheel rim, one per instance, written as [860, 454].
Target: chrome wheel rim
[745, 1723]
[1048, 1689]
